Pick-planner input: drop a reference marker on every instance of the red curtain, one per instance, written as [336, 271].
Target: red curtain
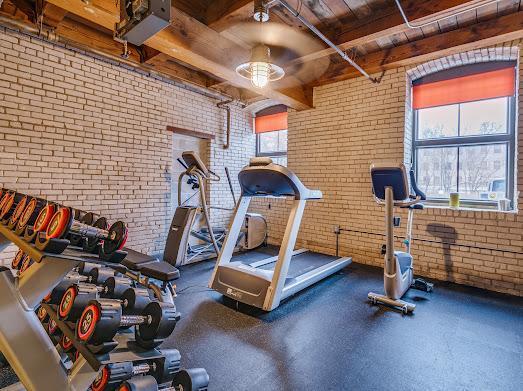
[487, 85]
[270, 123]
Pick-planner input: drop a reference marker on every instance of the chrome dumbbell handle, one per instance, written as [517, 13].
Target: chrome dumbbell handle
[89, 231]
[132, 320]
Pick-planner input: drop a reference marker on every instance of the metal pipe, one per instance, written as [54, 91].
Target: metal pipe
[411, 26]
[223, 105]
[325, 39]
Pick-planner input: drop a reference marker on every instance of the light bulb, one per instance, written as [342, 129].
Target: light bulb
[260, 72]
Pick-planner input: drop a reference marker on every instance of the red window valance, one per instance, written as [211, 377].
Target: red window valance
[487, 85]
[270, 123]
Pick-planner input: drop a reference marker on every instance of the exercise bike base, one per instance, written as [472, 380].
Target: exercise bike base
[404, 306]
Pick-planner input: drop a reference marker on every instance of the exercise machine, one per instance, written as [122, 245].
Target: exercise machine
[390, 186]
[179, 250]
[264, 284]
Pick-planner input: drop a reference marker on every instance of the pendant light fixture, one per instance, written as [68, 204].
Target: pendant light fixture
[260, 70]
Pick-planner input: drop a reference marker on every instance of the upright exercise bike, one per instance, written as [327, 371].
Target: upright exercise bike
[390, 185]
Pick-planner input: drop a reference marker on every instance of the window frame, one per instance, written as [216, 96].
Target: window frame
[508, 139]
[270, 153]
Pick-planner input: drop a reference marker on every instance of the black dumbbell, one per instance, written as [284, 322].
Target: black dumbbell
[26, 262]
[63, 223]
[84, 268]
[163, 369]
[67, 344]
[12, 202]
[98, 275]
[194, 379]
[85, 218]
[17, 260]
[55, 296]
[31, 213]
[52, 329]
[78, 296]
[140, 383]
[44, 217]
[75, 299]
[18, 211]
[42, 314]
[102, 318]
[115, 286]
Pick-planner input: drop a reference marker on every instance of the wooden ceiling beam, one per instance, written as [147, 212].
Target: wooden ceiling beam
[222, 14]
[199, 46]
[491, 32]
[52, 15]
[389, 21]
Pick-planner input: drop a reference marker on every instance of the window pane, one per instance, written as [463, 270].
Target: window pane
[437, 171]
[482, 172]
[438, 122]
[268, 142]
[282, 141]
[484, 117]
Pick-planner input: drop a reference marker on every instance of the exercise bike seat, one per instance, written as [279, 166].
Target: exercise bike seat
[162, 271]
[135, 260]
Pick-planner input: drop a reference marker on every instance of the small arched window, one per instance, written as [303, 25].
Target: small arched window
[270, 126]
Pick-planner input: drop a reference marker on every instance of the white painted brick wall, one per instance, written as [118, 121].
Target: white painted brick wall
[92, 134]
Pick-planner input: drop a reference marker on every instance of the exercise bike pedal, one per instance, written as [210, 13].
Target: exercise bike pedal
[422, 285]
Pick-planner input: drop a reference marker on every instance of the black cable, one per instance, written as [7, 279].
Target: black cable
[206, 289]
[431, 241]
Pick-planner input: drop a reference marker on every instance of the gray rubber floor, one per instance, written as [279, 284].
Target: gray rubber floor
[329, 338]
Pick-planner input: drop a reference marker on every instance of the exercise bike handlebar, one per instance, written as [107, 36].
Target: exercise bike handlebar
[403, 204]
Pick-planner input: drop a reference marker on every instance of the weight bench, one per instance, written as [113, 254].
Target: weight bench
[150, 266]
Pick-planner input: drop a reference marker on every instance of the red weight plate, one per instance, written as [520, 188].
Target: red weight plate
[44, 217]
[18, 210]
[25, 263]
[101, 380]
[66, 343]
[58, 224]
[87, 322]
[67, 301]
[28, 212]
[17, 260]
[8, 203]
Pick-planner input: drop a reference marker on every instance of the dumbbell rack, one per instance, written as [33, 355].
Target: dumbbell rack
[23, 340]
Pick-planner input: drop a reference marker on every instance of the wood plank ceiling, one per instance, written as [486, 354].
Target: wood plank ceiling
[205, 40]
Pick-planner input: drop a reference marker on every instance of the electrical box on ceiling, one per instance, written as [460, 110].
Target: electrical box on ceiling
[141, 19]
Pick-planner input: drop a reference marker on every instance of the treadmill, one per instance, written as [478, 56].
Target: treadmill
[265, 283]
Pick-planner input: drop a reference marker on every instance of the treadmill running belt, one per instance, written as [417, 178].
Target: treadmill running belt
[304, 262]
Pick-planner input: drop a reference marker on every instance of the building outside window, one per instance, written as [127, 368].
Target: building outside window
[270, 126]
[464, 133]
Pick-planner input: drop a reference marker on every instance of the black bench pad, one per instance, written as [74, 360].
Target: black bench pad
[162, 271]
[135, 260]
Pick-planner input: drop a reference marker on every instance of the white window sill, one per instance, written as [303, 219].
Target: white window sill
[467, 208]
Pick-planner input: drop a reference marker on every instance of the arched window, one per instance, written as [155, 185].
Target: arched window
[464, 132]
